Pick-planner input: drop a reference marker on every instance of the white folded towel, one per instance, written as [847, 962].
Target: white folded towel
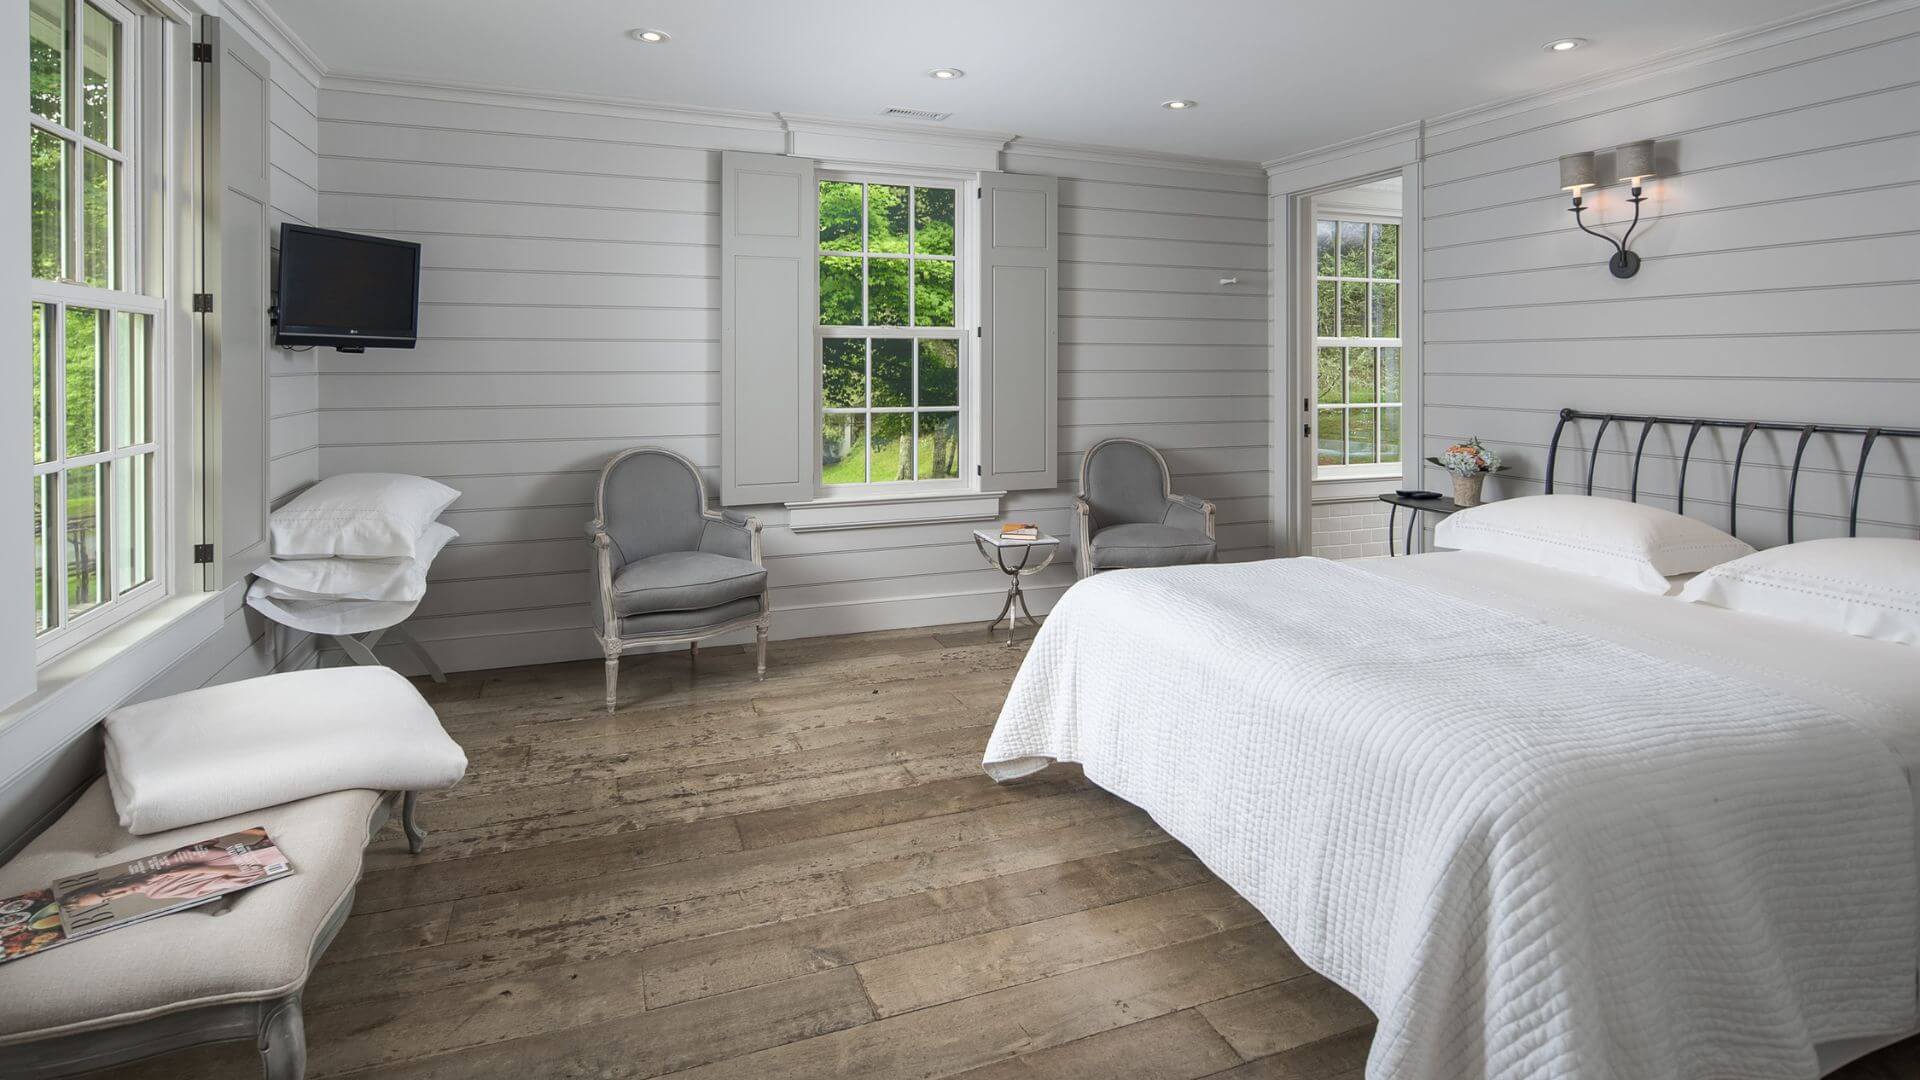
[248, 745]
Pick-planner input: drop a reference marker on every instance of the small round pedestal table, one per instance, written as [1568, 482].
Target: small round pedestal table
[996, 552]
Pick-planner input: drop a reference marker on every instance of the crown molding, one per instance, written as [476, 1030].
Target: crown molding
[793, 125]
[1115, 155]
[1361, 144]
[916, 131]
[267, 25]
[1696, 55]
[1714, 49]
[552, 101]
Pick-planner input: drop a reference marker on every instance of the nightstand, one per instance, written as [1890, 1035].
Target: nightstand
[1441, 505]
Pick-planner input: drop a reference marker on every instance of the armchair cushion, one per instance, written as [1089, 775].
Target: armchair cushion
[1139, 545]
[688, 622]
[684, 581]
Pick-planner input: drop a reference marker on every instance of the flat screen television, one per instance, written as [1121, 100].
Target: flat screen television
[347, 290]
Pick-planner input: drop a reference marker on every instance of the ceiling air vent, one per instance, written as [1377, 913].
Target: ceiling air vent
[917, 114]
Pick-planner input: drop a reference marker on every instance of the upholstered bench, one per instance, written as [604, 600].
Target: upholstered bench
[214, 974]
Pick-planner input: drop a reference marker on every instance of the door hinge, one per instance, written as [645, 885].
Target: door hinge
[977, 470]
[202, 553]
[1306, 431]
[980, 331]
[1306, 404]
[203, 52]
[202, 302]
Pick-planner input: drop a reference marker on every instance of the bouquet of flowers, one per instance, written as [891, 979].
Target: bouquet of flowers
[1468, 459]
[1469, 462]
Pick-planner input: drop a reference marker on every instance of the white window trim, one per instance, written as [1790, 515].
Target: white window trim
[922, 507]
[856, 504]
[154, 120]
[1374, 470]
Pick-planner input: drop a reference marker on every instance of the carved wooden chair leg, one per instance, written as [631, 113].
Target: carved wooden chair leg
[283, 1041]
[410, 821]
[760, 638]
[693, 652]
[613, 678]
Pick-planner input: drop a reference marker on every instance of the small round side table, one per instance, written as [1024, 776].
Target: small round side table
[995, 551]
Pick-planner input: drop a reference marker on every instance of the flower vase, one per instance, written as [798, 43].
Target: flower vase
[1466, 489]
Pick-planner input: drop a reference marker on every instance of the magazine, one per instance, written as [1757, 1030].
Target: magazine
[29, 923]
[125, 893]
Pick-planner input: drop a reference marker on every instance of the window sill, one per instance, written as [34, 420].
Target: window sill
[1337, 489]
[867, 511]
[94, 677]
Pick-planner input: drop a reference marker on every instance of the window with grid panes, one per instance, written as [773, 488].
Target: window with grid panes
[1357, 346]
[890, 344]
[96, 438]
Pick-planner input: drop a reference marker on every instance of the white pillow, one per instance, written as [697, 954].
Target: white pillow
[1866, 586]
[359, 516]
[355, 579]
[1626, 543]
[255, 743]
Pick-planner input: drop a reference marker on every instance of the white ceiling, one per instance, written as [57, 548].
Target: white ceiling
[1272, 77]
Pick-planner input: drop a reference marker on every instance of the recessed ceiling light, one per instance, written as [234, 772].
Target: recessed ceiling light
[1564, 44]
[947, 73]
[651, 37]
[1178, 103]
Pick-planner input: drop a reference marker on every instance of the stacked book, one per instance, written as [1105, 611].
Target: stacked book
[1017, 530]
[351, 553]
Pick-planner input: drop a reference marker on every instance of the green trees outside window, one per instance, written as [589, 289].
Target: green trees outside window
[1357, 343]
[95, 437]
[890, 343]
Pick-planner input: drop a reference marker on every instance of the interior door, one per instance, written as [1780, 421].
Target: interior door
[235, 99]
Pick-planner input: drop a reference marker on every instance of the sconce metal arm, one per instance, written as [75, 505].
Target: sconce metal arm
[1624, 263]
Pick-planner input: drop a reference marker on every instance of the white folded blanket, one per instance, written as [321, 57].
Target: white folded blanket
[247, 745]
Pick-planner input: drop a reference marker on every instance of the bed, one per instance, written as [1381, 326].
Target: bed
[1540, 824]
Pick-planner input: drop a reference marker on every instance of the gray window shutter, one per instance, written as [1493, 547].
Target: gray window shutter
[236, 95]
[1020, 336]
[768, 225]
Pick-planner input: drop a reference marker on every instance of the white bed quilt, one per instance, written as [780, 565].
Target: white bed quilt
[1531, 852]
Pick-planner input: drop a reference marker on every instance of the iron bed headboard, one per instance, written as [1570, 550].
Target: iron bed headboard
[1695, 424]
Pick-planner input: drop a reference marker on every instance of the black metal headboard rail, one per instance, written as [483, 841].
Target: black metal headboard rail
[1695, 424]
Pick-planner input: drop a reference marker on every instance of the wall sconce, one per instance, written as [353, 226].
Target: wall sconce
[1634, 163]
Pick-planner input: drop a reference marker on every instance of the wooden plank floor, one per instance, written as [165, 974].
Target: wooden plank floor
[802, 877]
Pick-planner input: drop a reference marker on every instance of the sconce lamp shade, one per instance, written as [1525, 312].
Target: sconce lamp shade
[1633, 161]
[1577, 172]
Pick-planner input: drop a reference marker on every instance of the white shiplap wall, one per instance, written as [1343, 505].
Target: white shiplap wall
[570, 310]
[1781, 277]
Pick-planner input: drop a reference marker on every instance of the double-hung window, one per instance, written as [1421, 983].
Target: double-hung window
[97, 424]
[891, 354]
[1357, 346]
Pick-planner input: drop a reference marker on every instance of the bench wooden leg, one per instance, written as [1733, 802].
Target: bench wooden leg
[416, 836]
[283, 1041]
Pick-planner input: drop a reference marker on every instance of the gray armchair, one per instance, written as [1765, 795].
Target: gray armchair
[667, 570]
[1128, 516]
